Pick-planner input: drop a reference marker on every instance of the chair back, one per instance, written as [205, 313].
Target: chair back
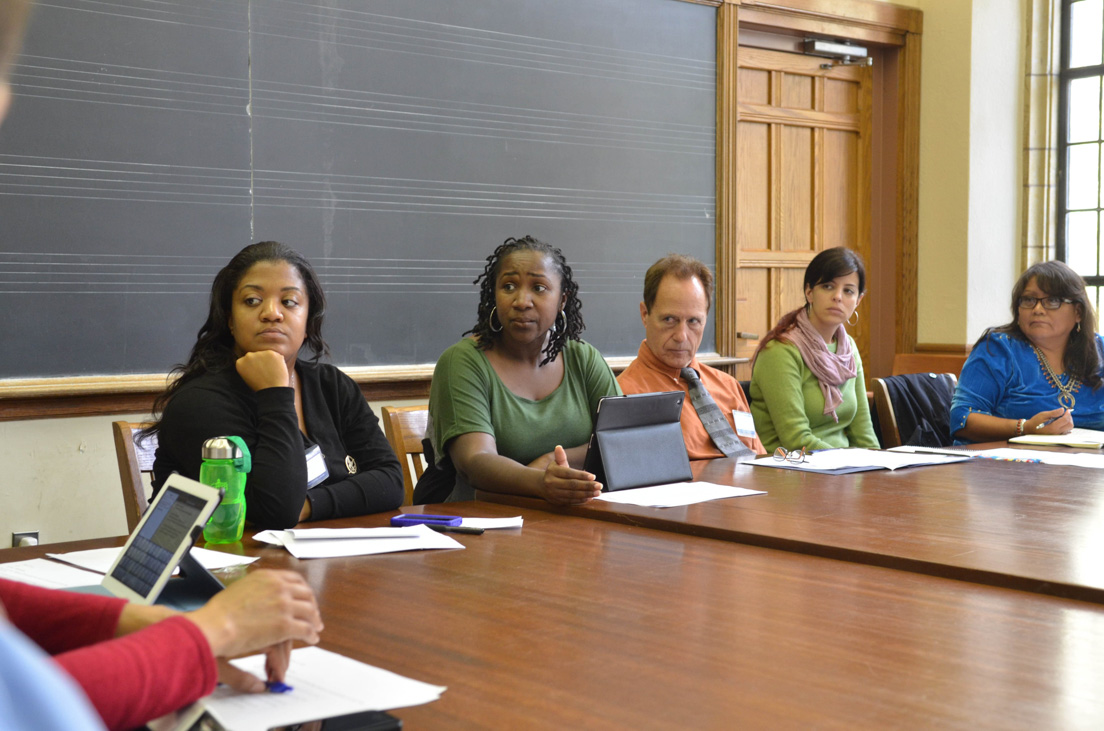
[135, 459]
[914, 409]
[404, 427]
[929, 363]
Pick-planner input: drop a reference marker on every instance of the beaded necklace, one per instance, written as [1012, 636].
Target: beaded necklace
[1065, 393]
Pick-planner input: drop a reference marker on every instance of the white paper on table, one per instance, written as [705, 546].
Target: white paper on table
[324, 684]
[102, 559]
[493, 523]
[838, 459]
[1070, 459]
[50, 574]
[675, 494]
[423, 537]
[311, 534]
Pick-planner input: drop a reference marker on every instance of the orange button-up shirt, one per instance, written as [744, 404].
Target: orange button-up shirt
[648, 374]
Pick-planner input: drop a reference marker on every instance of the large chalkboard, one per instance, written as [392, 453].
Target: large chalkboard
[394, 143]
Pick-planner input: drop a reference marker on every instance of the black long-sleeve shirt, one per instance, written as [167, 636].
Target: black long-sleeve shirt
[338, 420]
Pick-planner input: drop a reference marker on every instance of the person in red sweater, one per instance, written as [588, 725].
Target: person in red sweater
[136, 663]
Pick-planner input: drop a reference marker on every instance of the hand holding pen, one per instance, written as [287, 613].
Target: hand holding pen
[1058, 421]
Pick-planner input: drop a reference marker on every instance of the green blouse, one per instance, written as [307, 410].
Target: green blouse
[788, 405]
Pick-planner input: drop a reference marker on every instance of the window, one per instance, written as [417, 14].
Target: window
[1080, 142]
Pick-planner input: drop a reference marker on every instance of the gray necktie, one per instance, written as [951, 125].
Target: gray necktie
[714, 421]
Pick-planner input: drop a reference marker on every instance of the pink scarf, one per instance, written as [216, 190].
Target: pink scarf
[831, 369]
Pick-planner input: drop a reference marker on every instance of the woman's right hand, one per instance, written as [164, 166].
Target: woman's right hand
[1063, 424]
[262, 369]
[566, 486]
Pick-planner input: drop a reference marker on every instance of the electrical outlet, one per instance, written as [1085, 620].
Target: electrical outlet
[31, 534]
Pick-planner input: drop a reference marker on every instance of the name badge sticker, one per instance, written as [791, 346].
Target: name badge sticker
[745, 424]
[316, 466]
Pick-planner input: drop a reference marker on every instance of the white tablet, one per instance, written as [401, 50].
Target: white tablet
[165, 533]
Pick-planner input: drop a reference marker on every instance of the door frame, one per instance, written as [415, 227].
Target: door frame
[895, 33]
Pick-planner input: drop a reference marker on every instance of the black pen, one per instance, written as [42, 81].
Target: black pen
[456, 529]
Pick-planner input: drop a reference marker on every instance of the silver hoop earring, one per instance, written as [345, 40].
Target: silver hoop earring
[556, 327]
[490, 321]
[856, 322]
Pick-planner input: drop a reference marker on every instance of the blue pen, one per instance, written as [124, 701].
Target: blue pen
[1052, 419]
[275, 686]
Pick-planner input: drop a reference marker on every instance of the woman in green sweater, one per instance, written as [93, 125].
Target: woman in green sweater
[807, 387]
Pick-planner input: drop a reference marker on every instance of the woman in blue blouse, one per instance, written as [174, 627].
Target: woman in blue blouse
[1039, 374]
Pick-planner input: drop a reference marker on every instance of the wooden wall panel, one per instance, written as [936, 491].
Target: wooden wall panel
[797, 92]
[753, 195]
[841, 181]
[754, 87]
[796, 190]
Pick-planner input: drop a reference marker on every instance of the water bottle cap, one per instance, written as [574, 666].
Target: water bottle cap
[221, 448]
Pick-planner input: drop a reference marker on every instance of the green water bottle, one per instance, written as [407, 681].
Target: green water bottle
[226, 461]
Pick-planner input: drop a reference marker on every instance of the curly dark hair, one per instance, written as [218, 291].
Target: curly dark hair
[485, 337]
[214, 348]
[1057, 279]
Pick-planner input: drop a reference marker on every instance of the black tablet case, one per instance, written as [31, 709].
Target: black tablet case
[637, 441]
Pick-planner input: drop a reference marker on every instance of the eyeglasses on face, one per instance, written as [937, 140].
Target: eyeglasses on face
[797, 456]
[1049, 303]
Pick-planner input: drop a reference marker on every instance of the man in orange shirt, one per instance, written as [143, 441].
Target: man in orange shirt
[716, 420]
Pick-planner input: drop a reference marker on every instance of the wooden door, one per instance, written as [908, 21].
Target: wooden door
[803, 172]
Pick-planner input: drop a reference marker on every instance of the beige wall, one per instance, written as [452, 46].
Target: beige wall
[971, 129]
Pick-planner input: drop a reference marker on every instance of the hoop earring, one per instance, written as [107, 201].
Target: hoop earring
[856, 322]
[556, 323]
[490, 321]
[1079, 327]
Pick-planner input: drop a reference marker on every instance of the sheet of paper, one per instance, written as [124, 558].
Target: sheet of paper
[675, 494]
[324, 684]
[311, 534]
[1072, 459]
[493, 523]
[847, 460]
[1083, 438]
[423, 537]
[101, 559]
[50, 574]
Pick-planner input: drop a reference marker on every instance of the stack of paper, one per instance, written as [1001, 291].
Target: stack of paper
[332, 542]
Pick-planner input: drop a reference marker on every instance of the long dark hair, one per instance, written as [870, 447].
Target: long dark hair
[486, 337]
[1056, 279]
[839, 261]
[214, 347]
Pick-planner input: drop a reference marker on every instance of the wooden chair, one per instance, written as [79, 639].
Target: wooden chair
[929, 363]
[135, 459]
[943, 384]
[404, 427]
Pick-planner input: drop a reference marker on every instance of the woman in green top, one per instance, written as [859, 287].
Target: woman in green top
[807, 387]
[506, 402]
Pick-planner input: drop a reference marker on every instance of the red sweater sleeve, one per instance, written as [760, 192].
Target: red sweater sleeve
[60, 620]
[146, 674]
[130, 680]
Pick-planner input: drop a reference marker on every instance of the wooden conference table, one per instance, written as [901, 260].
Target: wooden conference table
[577, 623]
[1032, 527]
